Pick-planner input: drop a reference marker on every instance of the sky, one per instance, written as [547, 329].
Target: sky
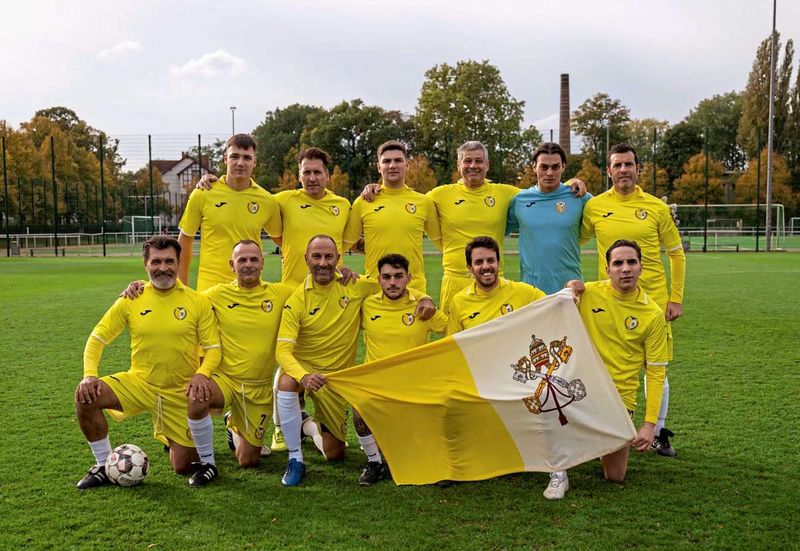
[176, 67]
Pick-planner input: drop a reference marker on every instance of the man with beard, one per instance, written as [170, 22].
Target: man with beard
[167, 324]
[318, 335]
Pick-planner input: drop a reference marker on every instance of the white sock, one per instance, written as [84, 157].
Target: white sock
[203, 435]
[276, 418]
[311, 428]
[662, 413]
[559, 474]
[289, 410]
[370, 447]
[101, 450]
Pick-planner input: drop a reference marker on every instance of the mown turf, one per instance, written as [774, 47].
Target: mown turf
[735, 386]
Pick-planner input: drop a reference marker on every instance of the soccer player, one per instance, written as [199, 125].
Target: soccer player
[167, 323]
[629, 331]
[627, 212]
[395, 221]
[318, 335]
[548, 218]
[390, 327]
[234, 208]
[489, 296]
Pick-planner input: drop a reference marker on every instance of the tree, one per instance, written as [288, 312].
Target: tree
[420, 175]
[594, 116]
[339, 182]
[592, 176]
[791, 139]
[680, 142]
[640, 136]
[782, 193]
[469, 101]
[351, 132]
[646, 180]
[276, 135]
[721, 114]
[755, 98]
[690, 188]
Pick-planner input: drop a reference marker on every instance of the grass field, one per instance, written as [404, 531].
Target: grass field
[734, 408]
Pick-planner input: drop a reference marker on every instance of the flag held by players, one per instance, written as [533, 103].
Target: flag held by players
[524, 392]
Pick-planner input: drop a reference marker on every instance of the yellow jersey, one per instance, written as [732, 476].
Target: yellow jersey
[394, 222]
[224, 217]
[248, 322]
[629, 332]
[466, 213]
[166, 328]
[320, 326]
[472, 306]
[303, 218]
[647, 220]
[390, 326]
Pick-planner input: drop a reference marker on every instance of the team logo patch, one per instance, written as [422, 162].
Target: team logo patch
[334, 210]
[631, 323]
[408, 319]
[266, 305]
[489, 200]
[252, 207]
[641, 214]
[506, 309]
[411, 208]
[179, 313]
[259, 433]
[561, 207]
[553, 393]
[344, 301]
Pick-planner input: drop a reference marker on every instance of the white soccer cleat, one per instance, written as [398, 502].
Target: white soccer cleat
[558, 486]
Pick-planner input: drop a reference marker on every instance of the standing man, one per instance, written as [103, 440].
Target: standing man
[167, 323]
[395, 221]
[488, 296]
[234, 208]
[318, 335]
[627, 212]
[390, 327]
[548, 219]
[630, 332]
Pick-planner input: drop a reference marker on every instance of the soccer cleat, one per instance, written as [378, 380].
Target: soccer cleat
[203, 474]
[373, 473]
[278, 443]
[229, 432]
[295, 473]
[661, 443]
[557, 487]
[265, 451]
[94, 478]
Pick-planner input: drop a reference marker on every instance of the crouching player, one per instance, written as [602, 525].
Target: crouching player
[629, 331]
[167, 324]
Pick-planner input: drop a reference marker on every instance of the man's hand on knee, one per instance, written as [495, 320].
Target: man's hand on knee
[88, 390]
[313, 381]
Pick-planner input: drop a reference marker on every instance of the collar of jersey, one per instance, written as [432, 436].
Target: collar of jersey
[262, 285]
[309, 282]
[478, 190]
[475, 290]
[178, 287]
[388, 191]
[408, 297]
[223, 180]
[630, 197]
[639, 296]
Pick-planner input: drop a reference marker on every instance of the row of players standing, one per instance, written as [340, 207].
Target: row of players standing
[549, 218]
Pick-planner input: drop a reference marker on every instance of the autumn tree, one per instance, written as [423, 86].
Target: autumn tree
[721, 114]
[420, 177]
[470, 101]
[339, 182]
[594, 116]
[782, 193]
[640, 136]
[646, 180]
[690, 188]
[592, 176]
[680, 142]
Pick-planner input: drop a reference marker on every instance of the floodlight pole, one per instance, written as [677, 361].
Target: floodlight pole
[233, 120]
[55, 192]
[655, 137]
[5, 199]
[705, 194]
[768, 223]
[103, 192]
[150, 177]
[758, 187]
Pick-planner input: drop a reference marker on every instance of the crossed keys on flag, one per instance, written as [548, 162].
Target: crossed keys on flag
[540, 364]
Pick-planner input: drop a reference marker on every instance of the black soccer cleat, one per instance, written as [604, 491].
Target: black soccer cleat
[204, 473]
[229, 432]
[373, 473]
[95, 477]
[661, 443]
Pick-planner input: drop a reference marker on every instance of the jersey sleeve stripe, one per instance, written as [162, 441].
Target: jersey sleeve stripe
[99, 338]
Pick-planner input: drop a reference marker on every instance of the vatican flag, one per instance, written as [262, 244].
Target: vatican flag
[526, 391]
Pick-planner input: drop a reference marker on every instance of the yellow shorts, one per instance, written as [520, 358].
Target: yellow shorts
[669, 341]
[250, 405]
[451, 284]
[331, 410]
[167, 407]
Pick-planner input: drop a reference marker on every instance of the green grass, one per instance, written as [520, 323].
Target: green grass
[734, 409]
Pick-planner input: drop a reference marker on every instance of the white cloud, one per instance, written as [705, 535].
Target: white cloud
[120, 51]
[211, 65]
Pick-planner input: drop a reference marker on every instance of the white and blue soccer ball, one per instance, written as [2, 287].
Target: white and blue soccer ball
[127, 465]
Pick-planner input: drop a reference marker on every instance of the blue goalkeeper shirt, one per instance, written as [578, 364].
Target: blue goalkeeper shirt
[549, 225]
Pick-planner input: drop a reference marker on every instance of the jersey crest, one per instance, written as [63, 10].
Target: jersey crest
[641, 214]
[506, 309]
[408, 319]
[631, 323]
[561, 207]
[334, 210]
[179, 313]
[411, 208]
[252, 207]
[344, 301]
[266, 305]
[489, 200]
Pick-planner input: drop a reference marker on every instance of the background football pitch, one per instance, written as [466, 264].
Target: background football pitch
[734, 409]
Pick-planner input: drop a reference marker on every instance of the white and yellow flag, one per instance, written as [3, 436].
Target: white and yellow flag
[524, 392]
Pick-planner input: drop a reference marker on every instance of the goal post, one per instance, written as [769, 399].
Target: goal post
[731, 226]
[141, 228]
